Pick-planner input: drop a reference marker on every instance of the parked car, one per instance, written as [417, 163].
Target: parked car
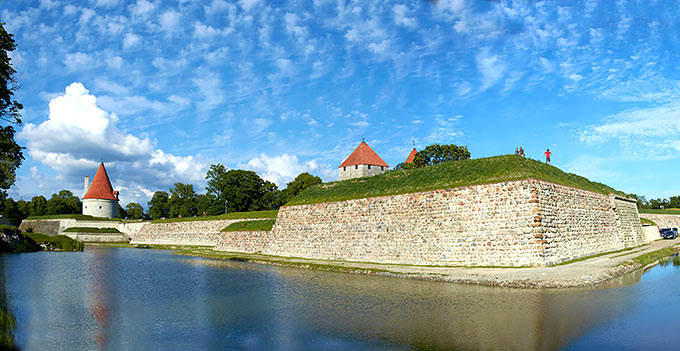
[668, 233]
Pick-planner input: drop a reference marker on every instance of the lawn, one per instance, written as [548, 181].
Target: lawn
[261, 225]
[233, 215]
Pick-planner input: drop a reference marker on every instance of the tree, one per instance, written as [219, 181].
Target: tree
[11, 154]
[158, 205]
[243, 190]
[435, 154]
[134, 210]
[207, 204]
[182, 200]
[11, 212]
[300, 183]
[38, 206]
[403, 165]
[63, 203]
[122, 214]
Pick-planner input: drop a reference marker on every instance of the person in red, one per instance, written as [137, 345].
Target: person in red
[547, 156]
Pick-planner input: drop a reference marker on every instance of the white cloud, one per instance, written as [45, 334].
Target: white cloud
[142, 8]
[400, 16]
[248, 4]
[78, 134]
[131, 40]
[492, 67]
[281, 169]
[78, 61]
[169, 20]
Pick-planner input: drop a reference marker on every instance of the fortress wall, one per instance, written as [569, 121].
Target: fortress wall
[476, 225]
[45, 226]
[663, 220]
[517, 223]
[628, 221]
[574, 223]
[182, 233]
[246, 241]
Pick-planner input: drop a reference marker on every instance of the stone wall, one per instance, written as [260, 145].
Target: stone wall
[518, 223]
[651, 232]
[183, 233]
[663, 220]
[47, 227]
[245, 241]
[97, 237]
[628, 221]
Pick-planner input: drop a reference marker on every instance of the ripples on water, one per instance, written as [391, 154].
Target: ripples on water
[127, 299]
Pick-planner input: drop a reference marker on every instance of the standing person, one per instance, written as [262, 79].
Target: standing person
[547, 156]
[521, 151]
[516, 151]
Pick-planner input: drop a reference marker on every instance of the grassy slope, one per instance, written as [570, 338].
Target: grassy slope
[61, 242]
[446, 175]
[233, 215]
[91, 230]
[672, 211]
[646, 221]
[262, 225]
[74, 216]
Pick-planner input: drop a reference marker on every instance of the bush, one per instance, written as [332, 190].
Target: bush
[13, 241]
[58, 242]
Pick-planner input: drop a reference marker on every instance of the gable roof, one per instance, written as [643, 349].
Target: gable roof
[411, 156]
[101, 186]
[363, 155]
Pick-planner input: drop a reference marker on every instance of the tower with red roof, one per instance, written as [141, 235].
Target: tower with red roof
[100, 200]
[411, 156]
[362, 162]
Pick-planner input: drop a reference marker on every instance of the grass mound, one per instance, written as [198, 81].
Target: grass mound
[91, 230]
[81, 217]
[13, 241]
[671, 211]
[59, 242]
[446, 175]
[233, 215]
[646, 221]
[261, 225]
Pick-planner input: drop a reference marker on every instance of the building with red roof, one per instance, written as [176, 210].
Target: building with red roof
[100, 200]
[362, 162]
[411, 156]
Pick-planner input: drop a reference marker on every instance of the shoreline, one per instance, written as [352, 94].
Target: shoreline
[582, 273]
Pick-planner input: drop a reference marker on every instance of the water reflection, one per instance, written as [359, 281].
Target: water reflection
[145, 299]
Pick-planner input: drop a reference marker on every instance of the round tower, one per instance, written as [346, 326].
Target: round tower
[100, 200]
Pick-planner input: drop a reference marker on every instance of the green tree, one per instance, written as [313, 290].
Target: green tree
[158, 205]
[11, 154]
[244, 190]
[38, 206]
[11, 212]
[122, 214]
[435, 154]
[182, 200]
[63, 203]
[300, 183]
[134, 210]
[207, 204]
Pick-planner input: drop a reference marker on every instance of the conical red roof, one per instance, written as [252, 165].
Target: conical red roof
[411, 156]
[363, 155]
[101, 186]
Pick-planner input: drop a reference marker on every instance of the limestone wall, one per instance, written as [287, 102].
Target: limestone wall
[628, 221]
[651, 233]
[182, 233]
[246, 241]
[526, 222]
[48, 227]
[663, 220]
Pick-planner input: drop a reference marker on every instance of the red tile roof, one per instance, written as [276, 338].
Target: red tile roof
[363, 155]
[411, 156]
[101, 186]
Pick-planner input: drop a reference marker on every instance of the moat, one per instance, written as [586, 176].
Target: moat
[133, 299]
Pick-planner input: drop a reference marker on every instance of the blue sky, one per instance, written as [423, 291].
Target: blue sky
[160, 90]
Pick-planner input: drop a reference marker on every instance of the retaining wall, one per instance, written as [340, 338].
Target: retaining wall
[663, 220]
[526, 222]
[245, 241]
[203, 233]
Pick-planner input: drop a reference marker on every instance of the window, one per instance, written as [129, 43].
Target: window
[85, 206]
[369, 166]
[356, 166]
[100, 207]
[382, 168]
[344, 169]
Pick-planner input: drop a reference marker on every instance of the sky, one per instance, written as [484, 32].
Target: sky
[161, 90]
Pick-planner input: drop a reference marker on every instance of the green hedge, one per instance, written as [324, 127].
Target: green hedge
[91, 230]
[73, 216]
[446, 175]
[245, 226]
[233, 215]
[61, 242]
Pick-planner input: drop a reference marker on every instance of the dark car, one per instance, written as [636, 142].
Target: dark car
[668, 233]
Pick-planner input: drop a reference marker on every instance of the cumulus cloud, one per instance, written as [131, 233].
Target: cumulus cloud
[284, 168]
[400, 16]
[248, 4]
[131, 40]
[169, 20]
[79, 134]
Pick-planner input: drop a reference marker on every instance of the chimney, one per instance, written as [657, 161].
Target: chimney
[87, 185]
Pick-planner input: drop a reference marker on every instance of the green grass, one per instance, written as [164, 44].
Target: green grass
[60, 242]
[671, 211]
[653, 257]
[593, 256]
[7, 325]
[73, 216]
[446, 175]
[261, 225]
[91, 230]
[646, 221]
[233, 215]
[21, 243]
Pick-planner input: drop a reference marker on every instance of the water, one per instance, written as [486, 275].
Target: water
[131, 299]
